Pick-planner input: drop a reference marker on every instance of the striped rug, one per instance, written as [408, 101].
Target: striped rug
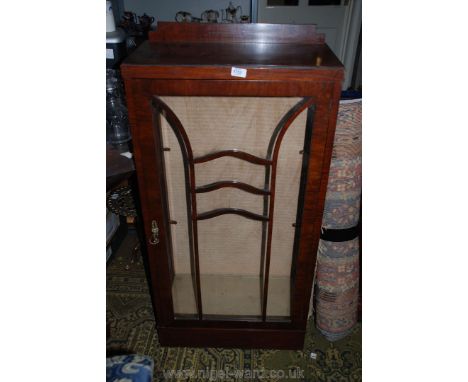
[337, 277]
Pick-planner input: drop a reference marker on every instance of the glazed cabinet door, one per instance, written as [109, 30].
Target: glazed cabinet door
[233, 187]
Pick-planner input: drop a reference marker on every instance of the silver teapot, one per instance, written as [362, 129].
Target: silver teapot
[232, 14]
[183, 17]
[210, 16]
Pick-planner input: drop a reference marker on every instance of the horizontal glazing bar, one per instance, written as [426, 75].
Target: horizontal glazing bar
[234, 184]
[236, 211]
[233, 153]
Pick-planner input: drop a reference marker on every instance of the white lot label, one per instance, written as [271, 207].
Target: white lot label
[238, 72]
[109, 53]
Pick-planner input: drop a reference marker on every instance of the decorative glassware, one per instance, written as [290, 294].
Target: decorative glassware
[116, 111]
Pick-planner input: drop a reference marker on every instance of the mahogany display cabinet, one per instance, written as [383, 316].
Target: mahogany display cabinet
[233, 128]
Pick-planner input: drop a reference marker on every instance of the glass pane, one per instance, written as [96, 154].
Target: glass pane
[230, 252]
[275, 3]
[286, 198]
[230, 248]
[183, 291]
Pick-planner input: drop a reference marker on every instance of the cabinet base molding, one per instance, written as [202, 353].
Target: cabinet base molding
[232, 338]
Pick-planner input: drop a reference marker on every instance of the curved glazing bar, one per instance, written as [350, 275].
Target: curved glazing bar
[270, 183]
[189, 170]
[233, 153]
[234, 184]
[236, 211]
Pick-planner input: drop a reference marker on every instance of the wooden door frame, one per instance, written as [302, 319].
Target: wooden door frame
[243, 333]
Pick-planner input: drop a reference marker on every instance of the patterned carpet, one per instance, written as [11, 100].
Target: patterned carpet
[132, 330]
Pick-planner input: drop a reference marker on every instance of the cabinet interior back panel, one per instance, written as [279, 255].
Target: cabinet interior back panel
[231, 244]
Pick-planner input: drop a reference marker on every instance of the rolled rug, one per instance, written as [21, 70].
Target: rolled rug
[337, 276]
[337, 288]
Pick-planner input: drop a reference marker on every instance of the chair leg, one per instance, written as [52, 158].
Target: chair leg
[135, 255]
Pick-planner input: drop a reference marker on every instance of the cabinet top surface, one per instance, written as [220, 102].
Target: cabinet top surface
[250, 46]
